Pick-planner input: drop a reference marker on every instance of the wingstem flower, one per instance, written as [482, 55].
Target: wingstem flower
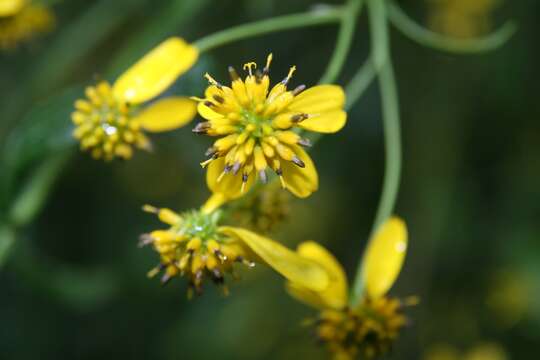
[110, 121]
[196, 246]
[259, 130]
[370, 327]
[21, 21]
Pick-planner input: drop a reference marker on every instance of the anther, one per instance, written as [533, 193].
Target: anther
[233, 74]
[298, 89]
[222, 257]
[145, 239]
[165, 279]
[212, 81]
[217, 276]
[289, 75]
[245, 261]
[209, 103]
[299, 117]
[262, 175]
[298, 162]
[211, 151]
[305, 142]
[150, 209]
[219, 99]
[266, 69]
[236, 167]
[202, 127]
[227, 169]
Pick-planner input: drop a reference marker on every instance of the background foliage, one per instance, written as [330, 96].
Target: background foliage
[74, 285]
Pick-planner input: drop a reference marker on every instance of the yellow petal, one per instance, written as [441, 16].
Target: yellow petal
[156, 71]
[327, 122]
[293, 267]
[335, 295]
[10, 7]
[302, 182]
[167, 114]
[213, 203]
[208, 113]
[384, 257]
[230, 185]
[319, 99]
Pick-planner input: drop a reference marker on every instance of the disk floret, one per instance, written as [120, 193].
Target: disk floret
[105, 126]
[193, 246]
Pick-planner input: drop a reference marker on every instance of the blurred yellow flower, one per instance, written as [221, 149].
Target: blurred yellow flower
[461, 18]
[481, 351]
[196, 246]
[257, 129]
[21, 21]
[369, 328]
[110, 121]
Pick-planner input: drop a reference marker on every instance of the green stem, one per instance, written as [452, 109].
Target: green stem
[444, 43]
[359, 83]
[391, 125]
[344, 41]
[279, 23]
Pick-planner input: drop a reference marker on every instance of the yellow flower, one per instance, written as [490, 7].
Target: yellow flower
[370, 327]
[194, 245]
[110, 122]
[259, 129]
[21, 21]
[461, 18]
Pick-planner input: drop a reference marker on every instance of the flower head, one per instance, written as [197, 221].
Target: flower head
[369, 327]
[196, 246]
[110, 121]
[21, 20]
[259, 128]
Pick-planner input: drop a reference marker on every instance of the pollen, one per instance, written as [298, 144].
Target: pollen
[105, 126]
[368, 331]
[30, 21]
[193, 247]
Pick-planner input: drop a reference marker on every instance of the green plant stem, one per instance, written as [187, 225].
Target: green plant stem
[344, 41]
[437, 41]
[279, 23]
[359, 83]
[391, 125]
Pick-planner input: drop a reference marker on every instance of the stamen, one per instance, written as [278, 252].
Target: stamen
[250, 66]
[298, 162]
[298, 89]
[219, 99]
[211, 151]
[236, 167]
[266, 69]
[299, 117]
[212, 81]
[233, 74]
[145, 239]
[227, 169]
[245, 261]
[205, 163]
[150, 209]
[289, 75]
[305, 142]
[165, 279]
[209, 103]
[222, 257]
[202, 128]
[263, 176]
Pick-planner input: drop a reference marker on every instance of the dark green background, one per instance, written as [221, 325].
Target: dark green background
[74, 286]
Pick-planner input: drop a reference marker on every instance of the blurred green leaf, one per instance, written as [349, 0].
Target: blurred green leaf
[7, 238]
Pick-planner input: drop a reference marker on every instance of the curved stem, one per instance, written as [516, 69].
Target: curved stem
[359, 83]
[391, 126]
[444, 43]
[279, 23]
[344, 41]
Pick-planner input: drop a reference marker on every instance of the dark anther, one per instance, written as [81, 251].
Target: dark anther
[227, 169]
[298, 89]
[305, 142]
[209, 103]
[233, 74]
[217, 276]
[299, 117]
[219, 99]
[279, 172]
[211, 151]
[202, 128]
[298, 162]
[245, 178]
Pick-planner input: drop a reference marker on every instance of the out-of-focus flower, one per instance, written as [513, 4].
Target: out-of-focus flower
[482, 351]
[111, 120]
[461, 18]
[196, 246]
[509, 297]
[256, 126]
[263, 210]
[369, 328]
[21, 21]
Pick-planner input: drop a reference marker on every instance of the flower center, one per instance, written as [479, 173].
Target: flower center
[105, 126]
